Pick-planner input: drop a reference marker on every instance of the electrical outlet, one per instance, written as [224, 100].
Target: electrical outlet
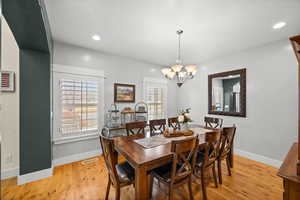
[9, 158]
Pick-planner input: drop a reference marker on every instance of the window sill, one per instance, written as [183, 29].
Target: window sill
[71, 139]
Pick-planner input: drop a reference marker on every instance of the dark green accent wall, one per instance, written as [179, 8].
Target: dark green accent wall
[29, 24]
[227, 92]
[35, 145]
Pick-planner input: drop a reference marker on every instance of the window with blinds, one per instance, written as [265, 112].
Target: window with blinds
[155, 101]
[79, 104]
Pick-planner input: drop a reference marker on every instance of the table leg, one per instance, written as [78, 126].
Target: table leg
[141, 184]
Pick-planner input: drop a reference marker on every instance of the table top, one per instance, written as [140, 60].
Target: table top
[137, 155]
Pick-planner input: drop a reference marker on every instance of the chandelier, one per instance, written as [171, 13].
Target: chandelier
[179, 71]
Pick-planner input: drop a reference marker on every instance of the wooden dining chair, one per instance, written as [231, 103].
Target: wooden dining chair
[157, 125]
[213, 122]
[180, 170]
[119, 174]
[207, 156]
[134, 128]
[173, 123]
[227, 139]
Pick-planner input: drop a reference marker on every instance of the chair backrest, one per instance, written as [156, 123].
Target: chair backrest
[213, 141]
[213, 122]
[184, 158]
[173, 123]
[110, 156]
[134, 128]
[227, 139]
[157, 125]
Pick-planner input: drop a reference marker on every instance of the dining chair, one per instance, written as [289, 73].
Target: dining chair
[206, 159]
[134, 128]
[227, 139]
[173, 123]
[157, 125]
[119, 174]
[213, 122]
[179, 171]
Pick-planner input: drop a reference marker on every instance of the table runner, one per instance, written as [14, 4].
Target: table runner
[151, 142]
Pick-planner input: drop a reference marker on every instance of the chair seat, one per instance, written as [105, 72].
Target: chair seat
[164, 173]
[200, 158]
[125, 172]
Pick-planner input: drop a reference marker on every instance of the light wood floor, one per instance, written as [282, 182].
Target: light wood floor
[77, 181]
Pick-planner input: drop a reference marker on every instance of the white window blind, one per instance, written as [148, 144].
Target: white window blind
[156, 98]
[79, 104]
[155, 103]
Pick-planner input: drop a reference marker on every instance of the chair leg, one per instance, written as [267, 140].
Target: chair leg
[107, 189]
[151, 186]
[190, 188]
[203, 184]
[215, 175]
[228, 166]
[220, 171]
[170, 193]
[118, 191]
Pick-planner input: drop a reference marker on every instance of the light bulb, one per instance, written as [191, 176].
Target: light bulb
[191, 68]
[165, 71]
[171, 74]
[177, 68]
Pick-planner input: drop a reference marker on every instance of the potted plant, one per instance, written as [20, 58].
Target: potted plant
[184, 118]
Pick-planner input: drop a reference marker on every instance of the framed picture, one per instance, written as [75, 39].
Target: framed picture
[7, 81]
[124, 93]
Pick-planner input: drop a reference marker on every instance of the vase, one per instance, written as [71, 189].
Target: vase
[185, 126]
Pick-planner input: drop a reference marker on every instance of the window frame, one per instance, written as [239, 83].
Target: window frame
[75, 73]
[158, 83]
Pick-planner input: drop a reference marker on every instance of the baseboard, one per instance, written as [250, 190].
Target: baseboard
[75, 158]
[34, 176]
[258, 158]
[9, 173]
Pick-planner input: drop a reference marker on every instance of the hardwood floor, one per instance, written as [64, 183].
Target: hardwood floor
[78, 181]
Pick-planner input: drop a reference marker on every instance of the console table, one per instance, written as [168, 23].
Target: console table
[290, 168]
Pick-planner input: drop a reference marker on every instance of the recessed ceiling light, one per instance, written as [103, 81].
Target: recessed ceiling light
[96, 37]
[279, 25]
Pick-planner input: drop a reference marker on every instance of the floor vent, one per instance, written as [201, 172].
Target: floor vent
[89, 161]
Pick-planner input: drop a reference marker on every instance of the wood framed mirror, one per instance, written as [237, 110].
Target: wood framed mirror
[227, 93]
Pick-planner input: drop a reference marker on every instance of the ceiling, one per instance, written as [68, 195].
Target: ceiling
[146, 29]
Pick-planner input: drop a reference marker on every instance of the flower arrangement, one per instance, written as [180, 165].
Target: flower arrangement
[184, 116]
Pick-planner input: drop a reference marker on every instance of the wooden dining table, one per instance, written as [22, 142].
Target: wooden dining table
[143, 160]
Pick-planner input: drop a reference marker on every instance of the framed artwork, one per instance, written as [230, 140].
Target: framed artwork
[7, 81]
[124, 93]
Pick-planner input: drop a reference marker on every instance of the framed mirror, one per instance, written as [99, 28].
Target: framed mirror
[227, 93]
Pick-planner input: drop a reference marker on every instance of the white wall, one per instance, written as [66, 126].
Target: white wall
[9, 102]
[271, 124]
[117, 70]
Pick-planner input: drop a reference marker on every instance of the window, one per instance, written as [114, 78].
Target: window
[156, 98]
[79, 106]
[78, 103]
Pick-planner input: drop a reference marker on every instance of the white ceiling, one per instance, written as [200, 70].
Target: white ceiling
[146, 29]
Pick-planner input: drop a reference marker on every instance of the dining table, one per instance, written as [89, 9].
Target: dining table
[145, 153]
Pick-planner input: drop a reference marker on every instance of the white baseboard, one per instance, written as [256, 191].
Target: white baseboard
[34, 176]
[75, 158]
[258, 158]
[9, 173]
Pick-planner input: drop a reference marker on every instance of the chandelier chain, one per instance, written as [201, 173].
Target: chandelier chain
[179, 61]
